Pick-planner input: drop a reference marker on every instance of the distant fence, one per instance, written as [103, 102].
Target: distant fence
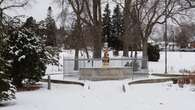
[135, 63]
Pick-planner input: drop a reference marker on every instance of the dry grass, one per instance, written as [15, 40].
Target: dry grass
[29, 87]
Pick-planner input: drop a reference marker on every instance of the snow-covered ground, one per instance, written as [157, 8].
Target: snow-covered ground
[109, 95]
[106, 95]
[176, 61]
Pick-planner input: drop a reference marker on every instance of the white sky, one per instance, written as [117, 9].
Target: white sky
[38, 10]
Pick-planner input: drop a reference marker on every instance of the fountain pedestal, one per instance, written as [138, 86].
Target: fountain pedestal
[109, 73]
[106, 72]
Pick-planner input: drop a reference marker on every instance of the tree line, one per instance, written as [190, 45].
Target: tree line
[139, 20]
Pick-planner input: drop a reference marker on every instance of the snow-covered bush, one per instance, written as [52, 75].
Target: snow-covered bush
[27, 53]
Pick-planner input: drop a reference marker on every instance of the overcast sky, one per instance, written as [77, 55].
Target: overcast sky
[38, 10]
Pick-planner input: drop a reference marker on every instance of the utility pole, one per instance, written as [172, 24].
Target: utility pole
[165, 35]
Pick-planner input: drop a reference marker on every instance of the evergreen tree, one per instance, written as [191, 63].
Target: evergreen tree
[50, 29]
[26, 53]
[7, 90]
[117, 28]
[107, 26]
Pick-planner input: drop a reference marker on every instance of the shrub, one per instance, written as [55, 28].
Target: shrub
[7, 90]
[153, 52]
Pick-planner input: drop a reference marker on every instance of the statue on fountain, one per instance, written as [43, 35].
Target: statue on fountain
[106, 58]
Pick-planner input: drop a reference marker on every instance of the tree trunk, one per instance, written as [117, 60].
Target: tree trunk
[76, 61]
[135, 53]
[127, 23]
[131, 51]
[125, 45]
[97, 52]
[145, 54]
[97, 28]
[125, 50]
[87, 53]
[97, 43]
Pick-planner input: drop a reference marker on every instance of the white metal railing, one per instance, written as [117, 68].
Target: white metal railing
[68, 64]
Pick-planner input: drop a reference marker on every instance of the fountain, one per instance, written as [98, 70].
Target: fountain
[105, 72]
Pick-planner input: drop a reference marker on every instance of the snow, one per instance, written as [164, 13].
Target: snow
[106, 95]
[177, 61]
[22, 57]
[110, 95]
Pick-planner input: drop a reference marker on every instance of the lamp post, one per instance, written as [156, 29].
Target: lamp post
[165, 36]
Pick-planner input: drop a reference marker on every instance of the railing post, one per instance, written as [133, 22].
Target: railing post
[92, 63]
[133, 62]
[123, 88]
[49, 82]
[64, 67]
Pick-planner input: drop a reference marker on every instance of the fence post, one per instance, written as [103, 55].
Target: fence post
[64, 67]
[49, 82]
[92, 63]
[123, 87]
[133, 66]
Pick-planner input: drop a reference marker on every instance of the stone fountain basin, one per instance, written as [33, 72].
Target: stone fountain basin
[105, 73]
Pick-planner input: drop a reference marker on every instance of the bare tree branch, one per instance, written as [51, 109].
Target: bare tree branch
[16, 5]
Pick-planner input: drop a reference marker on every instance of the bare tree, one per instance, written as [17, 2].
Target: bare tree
[131, 37]
[90, 15]
[77, 6]
[77, 38]
[94, 20]
[185, 34]
[149, 13]
[10, 4]
[127, 25]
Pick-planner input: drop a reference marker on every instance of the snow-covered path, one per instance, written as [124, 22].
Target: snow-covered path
[107, 95]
